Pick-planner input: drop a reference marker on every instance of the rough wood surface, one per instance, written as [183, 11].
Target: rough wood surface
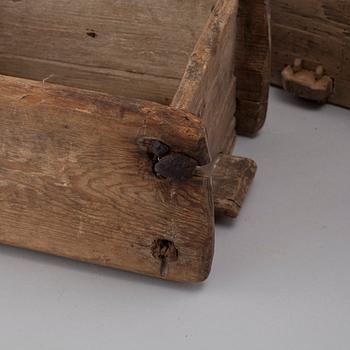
[132, 48]
[208, 86]
[304, 83]
[143, 53]
[318, 32]
[113, 181]
[253, 65]
[232, 177]
[77, 180]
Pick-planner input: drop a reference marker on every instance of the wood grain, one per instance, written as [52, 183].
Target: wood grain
[318, 32]
[208, 86]
[118, 181]
[132, 48]
[232, 178]
[76, 181]
[253, 65]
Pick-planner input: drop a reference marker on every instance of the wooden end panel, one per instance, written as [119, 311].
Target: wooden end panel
[232, 178]
[208, 86]
[77, 180]
[253, 65]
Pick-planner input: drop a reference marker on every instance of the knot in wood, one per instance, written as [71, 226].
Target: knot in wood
[174, 166]
[164, 249]
[159, 148]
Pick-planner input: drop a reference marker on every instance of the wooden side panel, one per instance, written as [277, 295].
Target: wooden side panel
[132, 48]
[76, 181]
[253, 65]
[208, 86]
[317, 31]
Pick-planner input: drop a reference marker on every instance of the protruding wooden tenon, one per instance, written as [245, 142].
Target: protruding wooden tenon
[232, 178]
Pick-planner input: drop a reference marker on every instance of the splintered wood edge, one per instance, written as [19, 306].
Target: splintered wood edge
[253, 65]
[208, 87]
[118, 213]
[232, 178]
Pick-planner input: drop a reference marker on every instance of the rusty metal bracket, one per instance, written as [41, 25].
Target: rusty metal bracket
[311, 85]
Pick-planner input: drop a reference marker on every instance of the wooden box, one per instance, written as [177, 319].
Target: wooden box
[128, 182]
[311, 48]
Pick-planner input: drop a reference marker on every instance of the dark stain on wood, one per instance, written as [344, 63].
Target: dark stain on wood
[91, 33]
[166, 252]
[159, 149]
[176, 167]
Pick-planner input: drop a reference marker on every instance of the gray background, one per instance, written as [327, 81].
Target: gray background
[280, 279]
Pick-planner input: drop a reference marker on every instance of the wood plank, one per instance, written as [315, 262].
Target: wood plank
[111, 81]
[208, 86]
[317, 31]
[232, 178]
[77, 180]
[253, 65]
[133, 48]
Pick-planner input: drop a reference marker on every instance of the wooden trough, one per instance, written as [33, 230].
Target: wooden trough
[123, 162]
[311, 49]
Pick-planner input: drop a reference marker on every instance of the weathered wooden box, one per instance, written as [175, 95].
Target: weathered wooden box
[128, 182]
[311, 48]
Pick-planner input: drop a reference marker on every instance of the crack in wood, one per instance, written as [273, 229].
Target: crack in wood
[166, 252]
